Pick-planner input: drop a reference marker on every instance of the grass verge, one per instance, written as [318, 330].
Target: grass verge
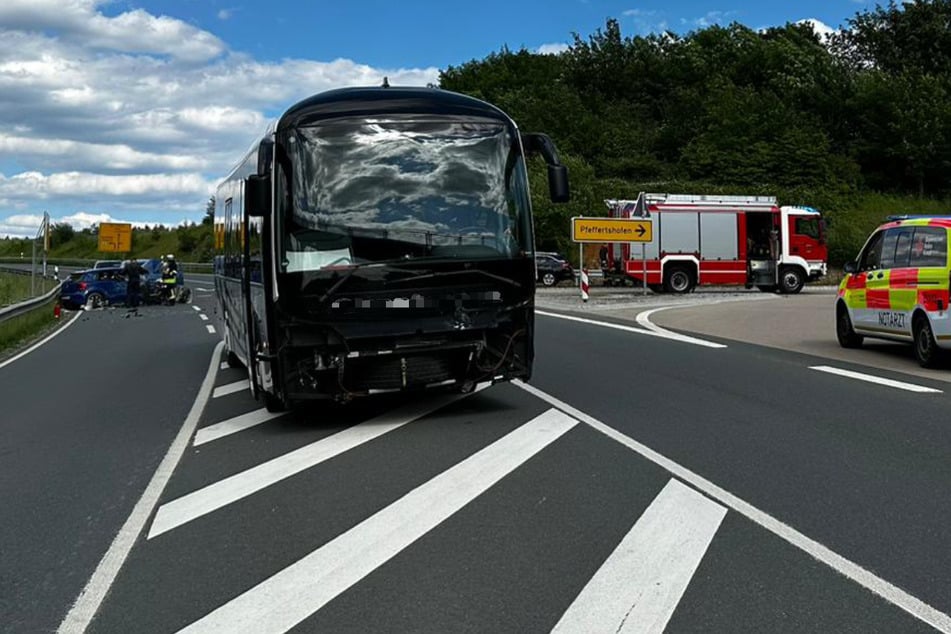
[21, 331]
[16, 288]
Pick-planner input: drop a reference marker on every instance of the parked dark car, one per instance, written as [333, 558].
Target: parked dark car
[551, 268]
[96, 287]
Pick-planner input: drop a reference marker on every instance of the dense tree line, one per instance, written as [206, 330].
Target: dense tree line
[727, 109]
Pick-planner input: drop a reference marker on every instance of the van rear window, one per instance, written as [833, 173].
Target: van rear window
[929, 247]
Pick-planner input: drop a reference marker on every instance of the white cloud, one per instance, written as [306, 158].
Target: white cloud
[42, 186]
[712, 18]
[824, 31]
[639, 13]
[553, 48]
[225, 14]
[133, 31]
[137, 114]
[27, 225]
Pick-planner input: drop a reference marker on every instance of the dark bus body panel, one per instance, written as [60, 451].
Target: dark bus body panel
[324, 294]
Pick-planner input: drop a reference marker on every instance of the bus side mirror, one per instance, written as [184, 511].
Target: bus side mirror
[257, 196]
[557, 173]
[850, 267]
[558, 184]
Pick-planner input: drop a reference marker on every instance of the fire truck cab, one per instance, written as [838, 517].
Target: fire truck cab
[726, 240]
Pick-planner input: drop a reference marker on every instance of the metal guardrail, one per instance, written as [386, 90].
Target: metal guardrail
[24, 307]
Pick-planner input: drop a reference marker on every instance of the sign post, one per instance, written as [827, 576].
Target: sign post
[628, 230]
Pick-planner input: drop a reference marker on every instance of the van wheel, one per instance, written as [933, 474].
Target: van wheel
[843, 329]
[791, 280]
[678, 280]
[926, 348]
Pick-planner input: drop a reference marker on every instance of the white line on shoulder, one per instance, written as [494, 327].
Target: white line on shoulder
[870, 378]
[663, 334]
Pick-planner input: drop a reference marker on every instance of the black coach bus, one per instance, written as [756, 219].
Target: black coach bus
[380, 239]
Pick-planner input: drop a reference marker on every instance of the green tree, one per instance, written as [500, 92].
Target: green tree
[61, 233]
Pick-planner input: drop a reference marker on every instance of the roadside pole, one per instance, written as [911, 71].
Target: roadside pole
[644, 262]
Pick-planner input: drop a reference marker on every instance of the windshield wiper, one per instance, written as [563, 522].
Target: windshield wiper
[431, 275]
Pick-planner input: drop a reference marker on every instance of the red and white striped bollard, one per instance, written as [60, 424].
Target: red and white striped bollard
[584, 285]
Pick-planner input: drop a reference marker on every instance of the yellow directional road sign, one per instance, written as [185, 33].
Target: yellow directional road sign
[115, 237]
[611, 230]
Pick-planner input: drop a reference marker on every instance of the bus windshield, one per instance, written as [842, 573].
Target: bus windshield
[425, 186]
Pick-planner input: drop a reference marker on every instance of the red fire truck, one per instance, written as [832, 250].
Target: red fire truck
[730, 240]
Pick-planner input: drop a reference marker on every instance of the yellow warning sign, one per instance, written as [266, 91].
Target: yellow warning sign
[611, 230]
[115, 237]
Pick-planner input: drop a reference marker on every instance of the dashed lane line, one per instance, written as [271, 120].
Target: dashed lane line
[211, 329]
[196, 308]
[640, 584]
[224, 492]
[865, 578]
[870, 378]
[203, 316]
[282, 601]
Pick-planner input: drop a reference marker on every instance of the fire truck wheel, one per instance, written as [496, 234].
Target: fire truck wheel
[926, 349]
[678, 280]
[791, 280]
[843, 329]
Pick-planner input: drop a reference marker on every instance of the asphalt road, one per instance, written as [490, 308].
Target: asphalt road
[86, 419]
[640, 480]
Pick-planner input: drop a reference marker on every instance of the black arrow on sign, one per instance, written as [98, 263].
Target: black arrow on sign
[641, 230]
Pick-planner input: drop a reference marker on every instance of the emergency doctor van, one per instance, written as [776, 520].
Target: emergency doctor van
[898, 288]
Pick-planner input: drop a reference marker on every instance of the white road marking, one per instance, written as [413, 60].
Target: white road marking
[223, 366]
[203, 316]
[82, 612]
[205, 290]
[869, 580]
[233, 425]
[296, 592]
[40, 343]
[197, 308]
[224, 492]
[210, 328]
[639, 586]
[230, 388]
[910, 387]
[641, 331]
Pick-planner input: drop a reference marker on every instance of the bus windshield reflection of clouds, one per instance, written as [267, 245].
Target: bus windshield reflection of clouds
[432, 184]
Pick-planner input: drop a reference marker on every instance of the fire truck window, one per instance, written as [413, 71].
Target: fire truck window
[808, 227]
[872, 254]
[929, 247]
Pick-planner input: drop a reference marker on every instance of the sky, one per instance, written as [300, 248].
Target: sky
[128, 111]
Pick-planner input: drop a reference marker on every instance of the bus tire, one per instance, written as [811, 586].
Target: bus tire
[791, 280]
[927, 352]
[844, 331]
[678, 279]
[273, 403]
[233, 360]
